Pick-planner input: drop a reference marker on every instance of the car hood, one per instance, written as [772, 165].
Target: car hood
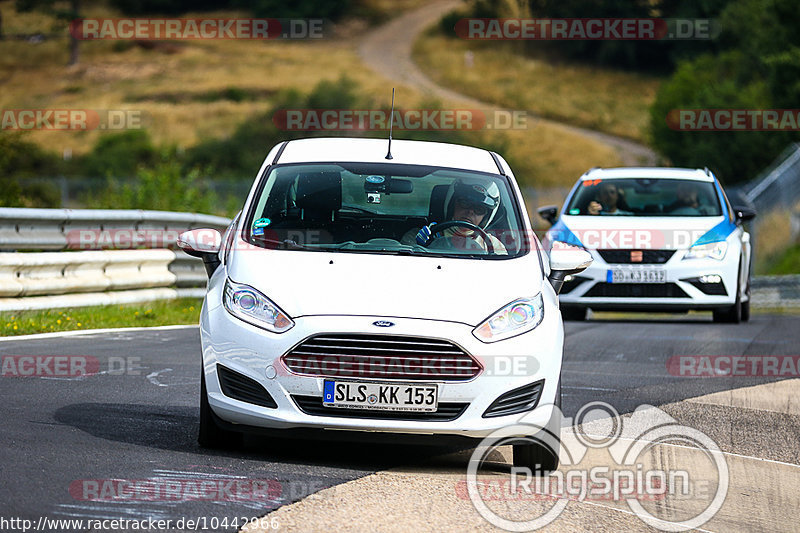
[326, 283]
[627, 232]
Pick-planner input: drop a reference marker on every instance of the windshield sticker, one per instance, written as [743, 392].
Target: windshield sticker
[588, 183]
[375, 179]
[262, 223]
[574, 211]
[258, 231]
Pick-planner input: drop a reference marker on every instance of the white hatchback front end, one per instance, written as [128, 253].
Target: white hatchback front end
[323, 314]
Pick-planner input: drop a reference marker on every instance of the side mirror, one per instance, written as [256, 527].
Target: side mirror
[565, 262]
[549, 213]
[203, 243]
[744, 213]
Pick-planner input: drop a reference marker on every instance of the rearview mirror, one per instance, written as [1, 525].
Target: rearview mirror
[565, 262]
[204, 243]
[744, 213]
[549, 213]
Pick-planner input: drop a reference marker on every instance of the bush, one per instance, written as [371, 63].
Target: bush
[119, 155]
[23, 159]
[166, 187]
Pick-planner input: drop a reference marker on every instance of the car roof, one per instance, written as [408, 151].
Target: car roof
[348, 149]
[649, 173]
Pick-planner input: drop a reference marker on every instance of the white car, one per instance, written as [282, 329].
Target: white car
[400, 293]
[662, 239]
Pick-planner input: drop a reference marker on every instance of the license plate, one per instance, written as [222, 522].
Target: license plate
[637, 275]
[381, 396]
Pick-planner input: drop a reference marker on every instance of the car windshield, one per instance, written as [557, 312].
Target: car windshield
[381, 208]
[645, 197]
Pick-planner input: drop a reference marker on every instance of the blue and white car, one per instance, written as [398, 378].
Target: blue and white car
[662, 239]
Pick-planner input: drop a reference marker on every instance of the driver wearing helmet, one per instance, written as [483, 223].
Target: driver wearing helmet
[473, 203]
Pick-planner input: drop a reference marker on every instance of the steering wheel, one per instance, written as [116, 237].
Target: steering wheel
[437, 228]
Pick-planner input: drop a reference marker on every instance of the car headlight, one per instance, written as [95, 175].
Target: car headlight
[518, 317]
[713, 250]
[247, 304]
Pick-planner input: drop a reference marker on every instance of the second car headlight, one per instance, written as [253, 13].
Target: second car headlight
[247, 304]
[713, 250]
[518, 317]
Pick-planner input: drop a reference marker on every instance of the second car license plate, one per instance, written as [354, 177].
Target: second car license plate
[637, 275]
[380, 396]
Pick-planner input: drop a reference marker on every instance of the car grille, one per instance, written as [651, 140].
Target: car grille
[624, 256]
[381, 356]
[312, 405]
[635, 290]
[516, 401]
[235, 385]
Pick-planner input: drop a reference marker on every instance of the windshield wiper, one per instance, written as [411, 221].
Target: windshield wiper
[286, 243]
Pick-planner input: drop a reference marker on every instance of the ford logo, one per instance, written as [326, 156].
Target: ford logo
[383, 323]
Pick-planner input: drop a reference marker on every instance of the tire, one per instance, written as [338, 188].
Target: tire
[577, 314]
[732, 314]
[539, 457]
[735, 313]
[746, 305]
[210, 434]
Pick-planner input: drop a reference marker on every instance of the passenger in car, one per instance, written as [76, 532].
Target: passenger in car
[687, 201]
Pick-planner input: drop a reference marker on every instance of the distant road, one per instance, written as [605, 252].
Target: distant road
[387, 50]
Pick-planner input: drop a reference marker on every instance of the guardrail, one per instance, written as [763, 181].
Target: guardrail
[61, 229]
[79, 269]
[775, 291]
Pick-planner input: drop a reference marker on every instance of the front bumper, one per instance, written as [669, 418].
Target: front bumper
[256, 354]
[681, 291]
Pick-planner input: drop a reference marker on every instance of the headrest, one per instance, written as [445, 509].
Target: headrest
[319, 191]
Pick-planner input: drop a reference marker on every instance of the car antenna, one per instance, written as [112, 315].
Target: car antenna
[391, 122]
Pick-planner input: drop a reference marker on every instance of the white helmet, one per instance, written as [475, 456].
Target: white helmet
[477, 192]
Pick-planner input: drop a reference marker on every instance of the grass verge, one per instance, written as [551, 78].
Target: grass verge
[160, 313]
[190, 91]
[615, 102]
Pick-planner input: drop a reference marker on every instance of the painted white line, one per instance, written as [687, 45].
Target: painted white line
[75, 332]
[152, 377]
[590, 388]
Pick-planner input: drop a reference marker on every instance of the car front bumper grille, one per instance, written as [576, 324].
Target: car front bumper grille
[381, 356]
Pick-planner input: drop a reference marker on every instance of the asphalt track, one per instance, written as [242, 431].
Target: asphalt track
[140, 423]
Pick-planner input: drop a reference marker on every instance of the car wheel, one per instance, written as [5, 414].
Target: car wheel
[574, 313]
[746, 305]
[732, 314]
[541, 457]
[210, 434]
